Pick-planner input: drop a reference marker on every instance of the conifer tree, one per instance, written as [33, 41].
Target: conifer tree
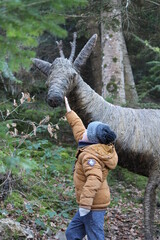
[23, 21]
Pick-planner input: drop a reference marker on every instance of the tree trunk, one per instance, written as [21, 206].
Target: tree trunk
[130, 89]
[117, 77]
[95, 59]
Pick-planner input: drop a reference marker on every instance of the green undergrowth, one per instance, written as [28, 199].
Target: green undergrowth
[44, 194]
[127, 178]
[129, 187]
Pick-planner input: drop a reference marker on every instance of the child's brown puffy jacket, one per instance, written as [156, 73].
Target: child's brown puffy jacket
[91, 169]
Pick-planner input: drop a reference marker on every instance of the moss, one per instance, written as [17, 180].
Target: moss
[114, 59]
[64, 155]
[20, 218]
[40, 190]
[112, 87]
[127, 177]
[109, 99]
[43, 211]
[15, 199]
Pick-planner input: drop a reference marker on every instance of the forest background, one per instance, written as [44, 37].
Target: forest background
[36, 188]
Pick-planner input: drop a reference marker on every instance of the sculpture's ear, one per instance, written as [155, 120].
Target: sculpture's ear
[85, 52]
[43, 66]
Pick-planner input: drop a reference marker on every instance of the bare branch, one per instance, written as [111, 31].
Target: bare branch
[60, 47]
[8, 177]
[14, 110]
[158, 4]
[127, 4]
[37, 3]
[4, 84]
[73, 47]
[2, 115]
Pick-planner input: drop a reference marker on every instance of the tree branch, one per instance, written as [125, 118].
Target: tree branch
[73, 47]
[8, 176]
[158, 4]
[127, 4]
[60, 47]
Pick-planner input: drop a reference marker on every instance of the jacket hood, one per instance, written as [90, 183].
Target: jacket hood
[104, 153]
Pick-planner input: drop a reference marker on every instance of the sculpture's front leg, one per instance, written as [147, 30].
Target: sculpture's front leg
[150, 204]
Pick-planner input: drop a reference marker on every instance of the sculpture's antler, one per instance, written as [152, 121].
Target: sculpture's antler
[73, 47]
[85, 52]
[60, 47]
[43, 66]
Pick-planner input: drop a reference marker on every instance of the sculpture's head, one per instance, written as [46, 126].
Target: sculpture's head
[63, 73]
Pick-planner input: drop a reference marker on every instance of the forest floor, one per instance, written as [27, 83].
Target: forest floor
[45, 207]
[124, 218]
[124, 221]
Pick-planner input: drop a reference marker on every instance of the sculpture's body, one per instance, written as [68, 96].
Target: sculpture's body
[138, 130]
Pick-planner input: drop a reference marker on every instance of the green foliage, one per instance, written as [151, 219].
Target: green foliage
[40, 223]
[149, 85]
[46, 195]
[23, 21]
[24, 137]
[152, 83]
[148, 45]
[11, 157]
[12, 161]
[38, 110]
[143, 47]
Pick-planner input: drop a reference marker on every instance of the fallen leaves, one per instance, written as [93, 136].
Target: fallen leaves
[124, 220]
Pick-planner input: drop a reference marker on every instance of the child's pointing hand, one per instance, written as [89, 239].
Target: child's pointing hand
[67, 104]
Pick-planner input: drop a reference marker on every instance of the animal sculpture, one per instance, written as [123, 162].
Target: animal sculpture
[138, 130]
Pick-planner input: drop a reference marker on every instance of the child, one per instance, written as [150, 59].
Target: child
[95, 157]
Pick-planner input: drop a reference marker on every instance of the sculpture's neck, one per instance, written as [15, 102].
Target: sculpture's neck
[87, 103]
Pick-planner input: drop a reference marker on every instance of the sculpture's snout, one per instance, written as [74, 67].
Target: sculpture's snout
[55, 101]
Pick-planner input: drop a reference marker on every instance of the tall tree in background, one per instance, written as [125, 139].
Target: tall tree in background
[117, 76]
[21, 24]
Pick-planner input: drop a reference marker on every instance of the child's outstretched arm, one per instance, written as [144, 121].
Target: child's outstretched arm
[75, 122]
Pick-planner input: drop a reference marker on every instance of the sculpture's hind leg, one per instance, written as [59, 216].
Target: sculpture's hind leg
[150, 204]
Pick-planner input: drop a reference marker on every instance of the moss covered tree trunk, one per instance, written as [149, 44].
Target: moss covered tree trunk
[117, 77]
[130, 89]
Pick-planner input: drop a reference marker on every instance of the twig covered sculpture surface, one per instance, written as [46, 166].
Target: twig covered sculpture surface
[138, 130]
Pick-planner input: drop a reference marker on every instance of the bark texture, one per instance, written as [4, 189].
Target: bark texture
[112, 57]
[130, 88]
[117, 77]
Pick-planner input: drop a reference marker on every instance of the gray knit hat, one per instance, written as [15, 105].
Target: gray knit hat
[98, 132]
